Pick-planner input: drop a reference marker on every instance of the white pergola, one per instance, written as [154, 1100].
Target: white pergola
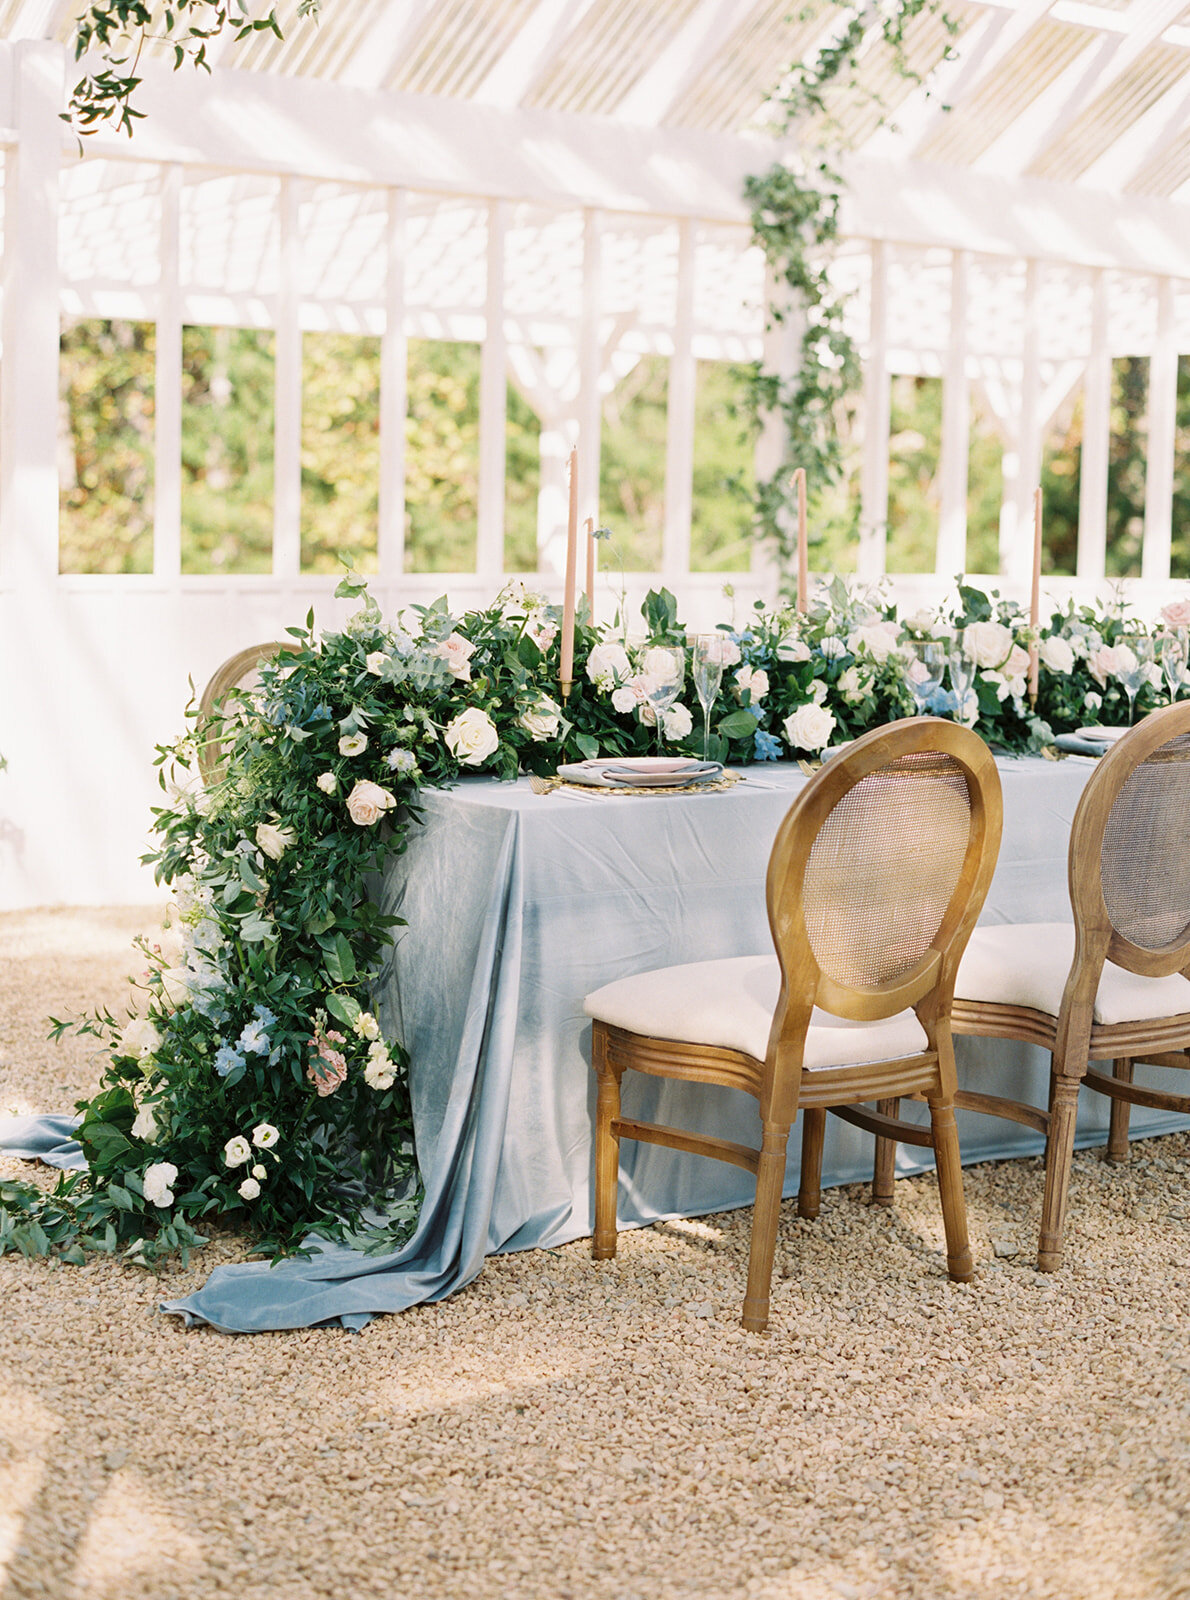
[561, 182]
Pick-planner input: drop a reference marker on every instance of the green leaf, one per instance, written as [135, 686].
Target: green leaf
[738, 725]
[345, 1007]
[588, 745]
[340, 963]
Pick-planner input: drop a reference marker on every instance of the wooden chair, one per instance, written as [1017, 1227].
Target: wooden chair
[875, 881]
[240, 671]
[1113, 985]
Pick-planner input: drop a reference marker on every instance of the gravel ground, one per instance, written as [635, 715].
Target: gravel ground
[570, 1429]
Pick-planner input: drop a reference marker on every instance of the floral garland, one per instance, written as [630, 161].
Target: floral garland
[254, 1080]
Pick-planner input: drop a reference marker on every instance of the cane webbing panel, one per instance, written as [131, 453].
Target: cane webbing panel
[883, 868]
[1146, 850]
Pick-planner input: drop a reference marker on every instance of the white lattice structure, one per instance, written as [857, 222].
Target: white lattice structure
[560, 181]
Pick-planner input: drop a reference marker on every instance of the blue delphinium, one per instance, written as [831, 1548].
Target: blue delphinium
[766, 747]
[227, 1060]
[253, 1041]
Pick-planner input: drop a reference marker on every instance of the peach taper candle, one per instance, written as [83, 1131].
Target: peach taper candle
[1035, 598]
[566, 663]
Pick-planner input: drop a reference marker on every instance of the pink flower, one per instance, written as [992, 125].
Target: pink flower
[1176, 614]
[329, 1067]
[457, 652]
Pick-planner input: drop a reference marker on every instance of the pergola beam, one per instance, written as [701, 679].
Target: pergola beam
[535, 47]
[702, 36]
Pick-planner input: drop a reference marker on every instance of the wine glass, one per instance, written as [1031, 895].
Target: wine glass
[927, 663]
[1173, 661]
[1134, 677]
[663, 671]
[707, 664]
[962, 680]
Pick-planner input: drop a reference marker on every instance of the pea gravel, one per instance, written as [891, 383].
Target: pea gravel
[568, 1429]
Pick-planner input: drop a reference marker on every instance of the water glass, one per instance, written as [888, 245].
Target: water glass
[1174, 649]
[1136, 676]
[927, 663]
[962, 682]
[707, 662]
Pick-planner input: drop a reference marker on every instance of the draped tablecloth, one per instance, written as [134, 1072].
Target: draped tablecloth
[518, 905]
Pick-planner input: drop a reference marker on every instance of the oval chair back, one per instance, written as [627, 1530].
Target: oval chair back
[241, 671]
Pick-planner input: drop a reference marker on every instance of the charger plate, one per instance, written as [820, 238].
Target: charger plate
[726, 780]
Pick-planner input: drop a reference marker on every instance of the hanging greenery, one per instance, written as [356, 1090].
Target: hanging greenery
[795, 221]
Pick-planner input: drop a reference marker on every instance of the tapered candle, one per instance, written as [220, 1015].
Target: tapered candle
[803, 558]
[1035, 596]
[591, 566]
[566, 665]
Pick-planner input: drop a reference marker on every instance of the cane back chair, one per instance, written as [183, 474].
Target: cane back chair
[874, 883]
[240, 671]
[1113, 985]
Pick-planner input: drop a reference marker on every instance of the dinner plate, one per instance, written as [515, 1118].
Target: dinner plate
[640, 772]
[1098, 735]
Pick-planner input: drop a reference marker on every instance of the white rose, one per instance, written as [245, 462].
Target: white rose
[921, 621]
[677, 722]
[375, 663]
[731, 652]
[658, 663]
[755, 681]
[145, 1127]
[353, 744]
[625, 699]
[1056, 654]
[852, 687]
[832, 647]
[274, 841]
[1017, 664]
[249, 1189]
[158, 1183]
[809, 728]
[457, 652]
[368, 802]
[471, 737]
[264, 1137]
[236, 1151]
[139, 1038]
[328, 783]
[820, 689]
[987, 643]
[876, 639]
[791, 649]
[541, 721]
[607, 665]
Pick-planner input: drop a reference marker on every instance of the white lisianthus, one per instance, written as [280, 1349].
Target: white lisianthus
[1056, 654]
[988, 643]
[1093, 701]
[274, 841]
[366, 1026]
[236, 1151]
[471, 737]
[139, 1038]
[541, 720]
[158, 1183]
[375, 663]
[368, 802]
[249, 1189]
[832, 647]
[852, 686]
[145, 1126]
[327, 782]
[457, 652]
[264, 1137]
[260, 1172]
[353, 744]
[677, 722]
[625, 699]
[607, 665]
[755, 680]
[809, 728]
[876, 639]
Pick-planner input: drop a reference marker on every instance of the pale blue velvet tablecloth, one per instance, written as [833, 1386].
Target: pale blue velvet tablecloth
[518, 905]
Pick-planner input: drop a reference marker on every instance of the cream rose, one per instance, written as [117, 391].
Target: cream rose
[790, 649]
[1056, 655]
[875, 639]
[541, 720]
[755, 681]
[327, 782]
[677, 722]
[987, 643]
[625, 699]
[809, 728]
[457, 652]
[607, 665]
[1176, 614]
[368, 802]
[1110, 660]
[274, 841]
[158, 1183]
[471, 737]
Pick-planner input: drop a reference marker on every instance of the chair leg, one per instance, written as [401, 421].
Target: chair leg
[1117, 1134]
[607, 1148]
[1059, 1154]
[959, 1262]
[884, 1168]
[809, 1194]
[770, 1179]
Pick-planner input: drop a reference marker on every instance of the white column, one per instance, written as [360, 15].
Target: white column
[1162, 428]
[873, 527]
[394, 396]
[956, 430]
[287, 419]
[1022, 468]
[493, 407]
[1096, 447]
[590, 404]
[30, 327]
[167, 385]
[679, 418]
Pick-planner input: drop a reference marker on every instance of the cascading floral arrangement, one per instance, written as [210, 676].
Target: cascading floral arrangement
[254, 1081]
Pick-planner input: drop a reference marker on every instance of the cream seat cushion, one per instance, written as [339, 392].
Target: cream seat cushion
[730, 1004]
[1027, 963]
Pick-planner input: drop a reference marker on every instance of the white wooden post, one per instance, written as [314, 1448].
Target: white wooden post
[31, 327]
[956, 430]
[1162, 420]
[287, 419]
[394, 396]
[590, 405]
[1022, 469]
[493, 408]
[873, 527]
[1093, 463]
[167, 385]
[679, 418]
[781, 353]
